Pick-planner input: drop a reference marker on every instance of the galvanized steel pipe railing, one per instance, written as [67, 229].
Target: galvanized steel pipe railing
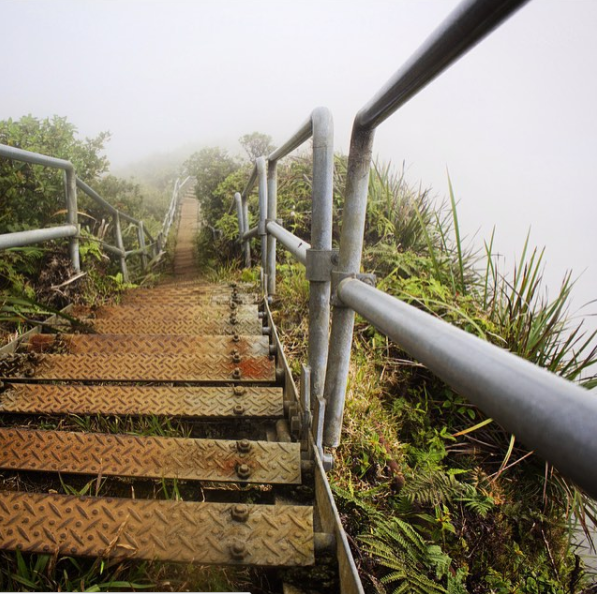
[259, 175]
[72, 182]
[470, 22]
[295, 245]
[320, 126]
[70, 190]
[551, 415]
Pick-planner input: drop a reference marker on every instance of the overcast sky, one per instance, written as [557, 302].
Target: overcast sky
[514, 121]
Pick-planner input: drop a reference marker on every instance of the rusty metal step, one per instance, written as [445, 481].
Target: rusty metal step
[187, 532]
[199, 286]
[150, 457]
[178, 325]
[238, 402]
[185, 299]
[133, 367]
[192, 311]
[141, 298]
[151, 344]
[192, 315]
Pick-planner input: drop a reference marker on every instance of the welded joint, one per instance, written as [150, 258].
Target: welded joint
[262, 227]
[277, 221]
[338, 277]
[320, 264]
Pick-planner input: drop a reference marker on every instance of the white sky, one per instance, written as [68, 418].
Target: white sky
[515, 120]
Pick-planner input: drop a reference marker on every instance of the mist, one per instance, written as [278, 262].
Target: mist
[513, 122]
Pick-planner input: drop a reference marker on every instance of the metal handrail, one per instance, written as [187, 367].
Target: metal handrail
[72, 229]
[470, 22]
[318, 125]
[551, 415]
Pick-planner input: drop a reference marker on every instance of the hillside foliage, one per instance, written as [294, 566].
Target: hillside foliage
[35, 280]
[436, 496]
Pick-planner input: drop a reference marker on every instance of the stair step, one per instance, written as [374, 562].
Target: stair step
[239, 402]
[191, 315]
[150, 457]
[142, 297]
[133, 367]
[164, 310]
[187, 532]
[151, 344]
[178, 325]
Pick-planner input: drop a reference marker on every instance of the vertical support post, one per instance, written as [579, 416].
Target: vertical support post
[272, 215]
[242, 228]
[321, 239]
[351, 247]
[120, 245]
[262, 181]
[72, 217]
[141, 238]
[247, 244]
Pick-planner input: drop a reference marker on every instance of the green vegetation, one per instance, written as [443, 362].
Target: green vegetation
[436, 497]
[37, 280]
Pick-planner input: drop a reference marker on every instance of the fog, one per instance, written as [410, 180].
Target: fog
[514, 121]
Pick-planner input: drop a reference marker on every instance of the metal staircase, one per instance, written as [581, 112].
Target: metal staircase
[184, 349]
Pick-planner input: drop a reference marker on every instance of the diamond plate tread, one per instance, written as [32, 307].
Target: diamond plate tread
[152, 344]
[150, 457]
[237, 402]
[243, 312]
[197, 286]
[186, 532]
[179, 325]
[174, 368]
[173, 299]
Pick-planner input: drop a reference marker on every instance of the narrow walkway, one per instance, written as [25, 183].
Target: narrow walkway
[185, 349]
[184, 264]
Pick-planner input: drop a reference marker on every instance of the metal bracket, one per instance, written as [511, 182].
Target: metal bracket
[320, 264]
[338, 277]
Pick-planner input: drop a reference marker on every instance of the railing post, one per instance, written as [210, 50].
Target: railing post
[141, 238]
[72, 217]
[272, 215]
[321, 240]
[120, 244]
[262, 181]
[243, 227]
[245, 208]
[351, 247]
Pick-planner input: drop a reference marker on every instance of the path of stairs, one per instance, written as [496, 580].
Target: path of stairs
[185, 350]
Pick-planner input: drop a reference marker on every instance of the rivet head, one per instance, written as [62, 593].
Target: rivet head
[238, 550]
[239, 391]
[240, 513]
[239, 409]
[236, 373]
[236, 358]
[243, 471]
[243, 446]
[233, 305]
[236, 338]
